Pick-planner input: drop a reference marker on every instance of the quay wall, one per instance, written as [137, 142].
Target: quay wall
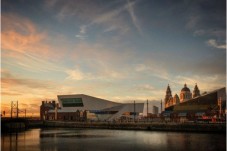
[18, 125]
[184, 127]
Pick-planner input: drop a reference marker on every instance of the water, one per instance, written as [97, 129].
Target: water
[110, 140]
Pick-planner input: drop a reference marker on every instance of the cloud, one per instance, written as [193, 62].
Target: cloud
[10, 81]
[31, 109]
[10, 93]
[199, 32]
[192, 22]
[20, 34]
[29, 83]
[64, 10]
[133, 16]
[145, 87]
[220, 33]
[27, 91]
[75, 74]
[215, 81]
[22, 37]
[153, 70]
[30, 62]
[107, 16]
[141, 67]
[82, 37]
[112, 19]
[213, 43]
[83, 29]
[104, 74]
[100, 61]
[207, 19]
[112, 28]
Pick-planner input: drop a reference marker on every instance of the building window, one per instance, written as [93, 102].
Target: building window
[72, 102]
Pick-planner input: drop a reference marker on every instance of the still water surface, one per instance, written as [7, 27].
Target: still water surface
[110, 140]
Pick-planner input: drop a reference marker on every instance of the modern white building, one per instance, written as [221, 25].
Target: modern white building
[95, 108]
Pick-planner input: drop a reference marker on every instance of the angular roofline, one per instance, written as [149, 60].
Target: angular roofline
[214, 91]
[88, 96]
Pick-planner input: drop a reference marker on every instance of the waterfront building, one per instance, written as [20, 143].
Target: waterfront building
[168, 96]
[80, 107]
[185, 95]
[45, 107]
[195, 106]
[196, 92]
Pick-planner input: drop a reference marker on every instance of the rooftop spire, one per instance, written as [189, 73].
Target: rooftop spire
[196, 91]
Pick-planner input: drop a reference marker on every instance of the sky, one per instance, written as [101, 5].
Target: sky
[119, 50]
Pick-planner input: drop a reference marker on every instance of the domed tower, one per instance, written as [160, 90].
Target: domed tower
[185, 93]
[196, 91]
[176, 99]
[168, 96]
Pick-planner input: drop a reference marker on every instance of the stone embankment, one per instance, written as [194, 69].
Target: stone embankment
[22, 124]
[183, 127]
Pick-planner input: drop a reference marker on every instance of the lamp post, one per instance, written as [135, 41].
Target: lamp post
[134, 111]
[220, 105]
[147, 110]
[161, 105]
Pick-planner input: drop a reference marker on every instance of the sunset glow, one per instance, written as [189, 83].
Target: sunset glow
[118, 50]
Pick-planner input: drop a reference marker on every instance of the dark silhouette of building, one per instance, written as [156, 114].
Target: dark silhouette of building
[45, 107]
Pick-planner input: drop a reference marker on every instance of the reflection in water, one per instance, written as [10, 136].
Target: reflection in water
[88, 139]
[27, 140]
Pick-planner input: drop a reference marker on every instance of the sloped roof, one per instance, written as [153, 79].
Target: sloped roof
[89, 102]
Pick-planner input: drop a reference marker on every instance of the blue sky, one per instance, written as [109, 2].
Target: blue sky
[119, 50]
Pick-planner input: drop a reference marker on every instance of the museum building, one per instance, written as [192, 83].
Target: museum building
[80, 107]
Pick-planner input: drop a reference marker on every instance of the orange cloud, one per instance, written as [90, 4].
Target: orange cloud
[28, 92]
[16, 85]
[21, 35]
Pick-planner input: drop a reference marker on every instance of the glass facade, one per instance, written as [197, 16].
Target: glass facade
[72, 102]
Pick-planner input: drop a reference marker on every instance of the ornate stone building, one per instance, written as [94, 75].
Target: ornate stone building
[196, 91]
[176, 99]
[185, 95]
[168, 96]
